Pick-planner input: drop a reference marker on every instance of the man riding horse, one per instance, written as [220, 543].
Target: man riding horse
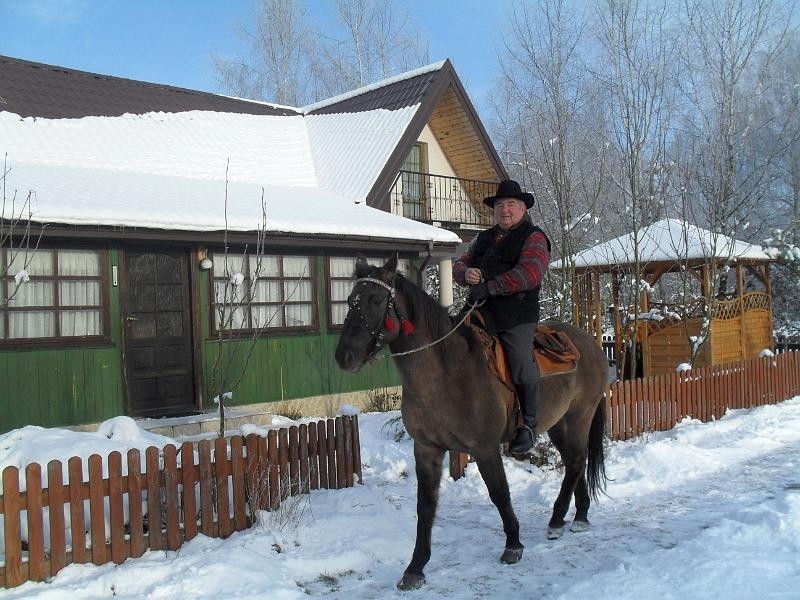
[504, 265]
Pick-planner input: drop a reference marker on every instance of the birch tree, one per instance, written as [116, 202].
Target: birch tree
[295, 58]
[553, 140]
[638, 45]
[728, 52]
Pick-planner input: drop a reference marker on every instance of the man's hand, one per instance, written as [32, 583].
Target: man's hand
[479, 292]
[473, 276]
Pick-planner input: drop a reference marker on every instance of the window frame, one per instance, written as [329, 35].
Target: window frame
[266, 331]
[329, 281]
[58, 341]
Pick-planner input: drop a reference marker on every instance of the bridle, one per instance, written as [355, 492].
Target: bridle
[406, 326]
[387, 323]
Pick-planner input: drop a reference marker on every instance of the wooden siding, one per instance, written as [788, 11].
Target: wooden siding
[63, 386]
[70, 386]
[459, 140]
[287, 366]
[669, 347]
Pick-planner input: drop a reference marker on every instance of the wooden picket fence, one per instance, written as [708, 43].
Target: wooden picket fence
[658, 403]
[173, 499]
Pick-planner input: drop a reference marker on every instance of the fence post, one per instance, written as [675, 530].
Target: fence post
[55, 500]
[115, 506]
[33, 495]
[135, 502]
[12, 507]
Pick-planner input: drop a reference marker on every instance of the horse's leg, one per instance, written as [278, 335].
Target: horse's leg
[490, 465]
[581, 520]
[573, 455]
[428, 461]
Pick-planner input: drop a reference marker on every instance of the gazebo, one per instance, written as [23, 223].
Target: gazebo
[740, 319]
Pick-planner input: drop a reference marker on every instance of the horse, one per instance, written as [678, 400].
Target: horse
[451, 401]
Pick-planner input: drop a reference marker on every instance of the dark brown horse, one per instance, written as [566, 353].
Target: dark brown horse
[452, 402]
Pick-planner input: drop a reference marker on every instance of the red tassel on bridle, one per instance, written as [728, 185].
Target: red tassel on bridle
[407, 328]
[390, 324]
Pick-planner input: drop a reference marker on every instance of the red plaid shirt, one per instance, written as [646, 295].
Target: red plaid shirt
[527, 273]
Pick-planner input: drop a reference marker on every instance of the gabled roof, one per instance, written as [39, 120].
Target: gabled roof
[107, 136]
[666, 241]
[32, 89]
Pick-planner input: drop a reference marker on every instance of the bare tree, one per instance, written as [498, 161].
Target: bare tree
[371, 41]
[552, 139]
[723, 149]
[17, 235]
[638, 46]
[276, 66]
[293, 59]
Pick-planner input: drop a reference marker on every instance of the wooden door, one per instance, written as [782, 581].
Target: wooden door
[158, 334]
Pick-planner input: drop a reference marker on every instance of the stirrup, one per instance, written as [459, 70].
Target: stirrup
[522, 446]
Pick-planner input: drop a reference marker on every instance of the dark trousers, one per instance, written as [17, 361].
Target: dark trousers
[518, 344]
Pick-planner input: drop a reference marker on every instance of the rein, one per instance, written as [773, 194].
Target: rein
[378, 335]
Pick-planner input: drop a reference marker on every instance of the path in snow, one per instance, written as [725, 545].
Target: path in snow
[677, 525]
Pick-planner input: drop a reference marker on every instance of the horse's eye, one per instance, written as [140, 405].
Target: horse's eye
[375, 300]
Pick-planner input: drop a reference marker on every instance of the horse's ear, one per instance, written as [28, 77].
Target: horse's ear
[391, 264]
[362, 266]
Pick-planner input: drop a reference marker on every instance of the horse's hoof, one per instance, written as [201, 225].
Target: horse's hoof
[511, 556]
[580, 526]
[411, 581]
[553, 533]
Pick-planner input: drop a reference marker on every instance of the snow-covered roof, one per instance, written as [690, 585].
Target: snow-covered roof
[668, 240]
[373, 86]
[168, 170]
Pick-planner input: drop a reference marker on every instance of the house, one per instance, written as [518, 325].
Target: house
[159, 243]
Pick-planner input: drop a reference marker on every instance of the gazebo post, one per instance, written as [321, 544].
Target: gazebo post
[644, 304]
[597, 308]
[615, 292]
[740, 299]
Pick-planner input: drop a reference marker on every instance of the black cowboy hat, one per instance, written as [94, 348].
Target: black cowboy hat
[509, 189]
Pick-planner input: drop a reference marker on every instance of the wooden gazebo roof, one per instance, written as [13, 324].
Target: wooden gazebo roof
[666, 245]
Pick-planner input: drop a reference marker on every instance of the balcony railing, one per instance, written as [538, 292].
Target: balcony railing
[451, 201]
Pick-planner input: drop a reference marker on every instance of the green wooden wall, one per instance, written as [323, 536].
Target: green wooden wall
[286, 366]
[63, 386]
[69, 386]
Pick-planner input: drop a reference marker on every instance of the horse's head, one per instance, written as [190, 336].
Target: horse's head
[373, 319]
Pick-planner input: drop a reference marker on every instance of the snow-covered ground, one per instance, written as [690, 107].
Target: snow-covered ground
[702, 511]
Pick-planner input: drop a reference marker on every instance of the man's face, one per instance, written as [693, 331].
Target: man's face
[508, 212]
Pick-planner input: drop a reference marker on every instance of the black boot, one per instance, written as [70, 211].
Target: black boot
[529, 403]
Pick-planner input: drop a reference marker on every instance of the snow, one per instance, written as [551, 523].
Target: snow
[373, 86]
[667, 240]
[702, 511]
[169, 171]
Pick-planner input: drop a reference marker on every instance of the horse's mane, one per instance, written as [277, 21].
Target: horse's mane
[424, 309]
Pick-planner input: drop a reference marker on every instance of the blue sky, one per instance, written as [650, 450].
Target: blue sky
[172, 41]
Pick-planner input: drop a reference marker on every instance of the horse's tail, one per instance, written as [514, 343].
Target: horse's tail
[596, 467]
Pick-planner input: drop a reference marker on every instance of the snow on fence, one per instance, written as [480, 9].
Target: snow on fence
[658, 403]
[143, 502]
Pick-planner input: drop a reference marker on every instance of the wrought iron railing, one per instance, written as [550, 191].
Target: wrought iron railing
[451, 201]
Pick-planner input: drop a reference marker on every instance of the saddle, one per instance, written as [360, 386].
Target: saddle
[554, 353]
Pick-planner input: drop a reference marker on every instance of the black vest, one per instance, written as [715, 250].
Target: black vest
[504, 312]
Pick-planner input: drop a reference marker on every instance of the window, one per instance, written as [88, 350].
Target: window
[414, 183]
[340, 282]
[52, 294]
[254, 293]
